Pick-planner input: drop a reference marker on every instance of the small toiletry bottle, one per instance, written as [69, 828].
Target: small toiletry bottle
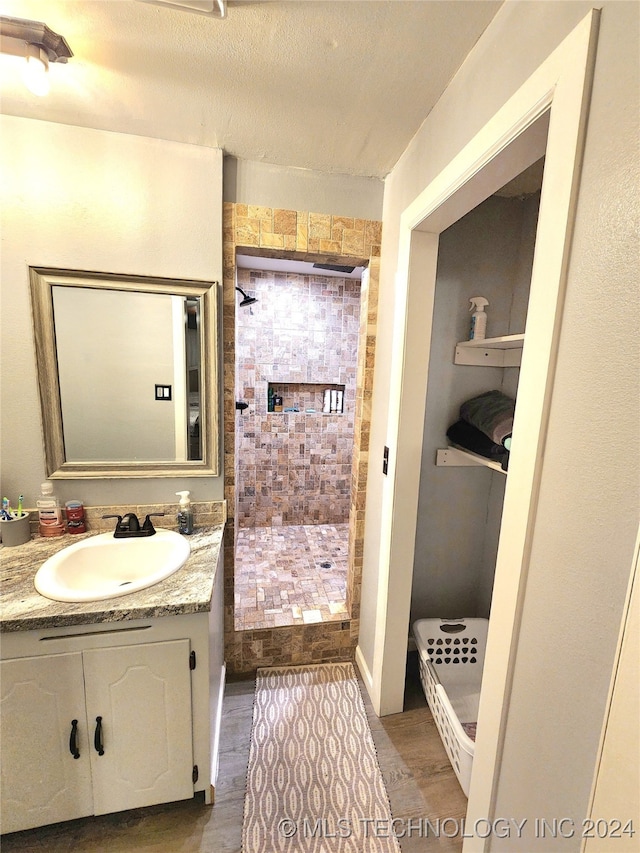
[277, 403]
[271, 399]
[185, 515]
[478, 318]
[75, 517]
[49, 512]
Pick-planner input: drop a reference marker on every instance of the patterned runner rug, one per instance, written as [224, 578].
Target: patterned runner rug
[313, 781]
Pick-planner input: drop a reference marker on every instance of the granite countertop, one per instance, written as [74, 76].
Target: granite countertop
[188, 590]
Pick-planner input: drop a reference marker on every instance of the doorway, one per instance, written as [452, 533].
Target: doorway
[320, 238]
[487, 253]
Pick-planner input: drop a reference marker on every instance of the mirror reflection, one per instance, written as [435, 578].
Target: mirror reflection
[128, 366]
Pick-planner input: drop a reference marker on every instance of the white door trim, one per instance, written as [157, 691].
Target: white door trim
[557, 92]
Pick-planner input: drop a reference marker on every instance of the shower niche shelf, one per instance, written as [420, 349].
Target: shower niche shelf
[304, 397]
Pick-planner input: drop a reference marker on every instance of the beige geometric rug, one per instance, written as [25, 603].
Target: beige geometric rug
[313, 781]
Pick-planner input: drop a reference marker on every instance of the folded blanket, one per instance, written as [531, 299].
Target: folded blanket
[467, 436]
[491, 413]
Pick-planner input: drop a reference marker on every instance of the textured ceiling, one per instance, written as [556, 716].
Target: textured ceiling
[334, 86]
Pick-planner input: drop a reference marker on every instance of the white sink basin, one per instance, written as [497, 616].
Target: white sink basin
[104, 567]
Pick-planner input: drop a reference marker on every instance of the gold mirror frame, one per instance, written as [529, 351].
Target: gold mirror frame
[42, 280]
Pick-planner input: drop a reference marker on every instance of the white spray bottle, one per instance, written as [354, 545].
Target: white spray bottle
[185, 515]
[478, 318]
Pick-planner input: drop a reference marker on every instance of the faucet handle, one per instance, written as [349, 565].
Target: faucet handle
[148, 524]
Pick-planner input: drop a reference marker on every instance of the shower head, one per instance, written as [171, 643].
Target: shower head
[246, 300]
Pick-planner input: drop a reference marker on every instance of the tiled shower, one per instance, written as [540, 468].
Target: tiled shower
[297, 343]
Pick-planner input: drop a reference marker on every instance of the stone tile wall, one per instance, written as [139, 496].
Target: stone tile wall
[360, 465]
[205, 513]
[299, 235]
[309, 235]
[295, 467]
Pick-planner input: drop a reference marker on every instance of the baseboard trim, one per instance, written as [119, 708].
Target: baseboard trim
[364, 670]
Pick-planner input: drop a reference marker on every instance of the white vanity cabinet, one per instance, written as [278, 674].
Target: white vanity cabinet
[138, 711]
[41, 781]
[125, 712]
[139, 692]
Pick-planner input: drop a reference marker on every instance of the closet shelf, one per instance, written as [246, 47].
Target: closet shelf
[505, 351]
[457, 457]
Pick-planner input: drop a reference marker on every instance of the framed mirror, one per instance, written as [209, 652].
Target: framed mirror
[127, 374]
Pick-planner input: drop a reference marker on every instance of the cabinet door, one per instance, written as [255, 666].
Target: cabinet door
[142, 694]
[42, 782]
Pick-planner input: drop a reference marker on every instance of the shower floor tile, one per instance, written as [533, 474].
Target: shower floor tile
[281, 579]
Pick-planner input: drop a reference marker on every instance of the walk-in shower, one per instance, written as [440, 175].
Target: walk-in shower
[296, 365]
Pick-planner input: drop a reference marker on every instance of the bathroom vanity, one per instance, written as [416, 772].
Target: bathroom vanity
[109, 705]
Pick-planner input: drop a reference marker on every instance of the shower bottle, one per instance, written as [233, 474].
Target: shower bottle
[478, 318]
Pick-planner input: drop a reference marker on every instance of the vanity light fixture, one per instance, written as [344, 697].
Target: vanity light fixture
[38, 44]
[214, 8]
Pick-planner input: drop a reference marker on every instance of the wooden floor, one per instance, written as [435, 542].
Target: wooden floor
[418, 776]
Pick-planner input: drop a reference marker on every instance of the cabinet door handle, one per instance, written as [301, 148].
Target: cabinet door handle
[73, 739]
[97, 738]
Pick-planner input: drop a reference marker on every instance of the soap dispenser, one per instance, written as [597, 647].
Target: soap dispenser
[185, 514]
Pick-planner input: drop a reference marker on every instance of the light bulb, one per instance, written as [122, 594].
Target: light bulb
[35, 73]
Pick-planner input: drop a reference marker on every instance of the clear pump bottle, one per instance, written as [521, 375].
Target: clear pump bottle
[49, 512]
[185, 514]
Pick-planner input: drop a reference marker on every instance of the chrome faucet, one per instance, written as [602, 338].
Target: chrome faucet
[128, 526]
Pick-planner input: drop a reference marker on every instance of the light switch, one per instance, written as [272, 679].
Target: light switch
[163, 392]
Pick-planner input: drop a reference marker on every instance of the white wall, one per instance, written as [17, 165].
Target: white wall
[588, 503]
[617, 784]
[75, 198]
[250, 182]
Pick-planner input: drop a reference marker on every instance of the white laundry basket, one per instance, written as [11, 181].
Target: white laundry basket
[451, 655]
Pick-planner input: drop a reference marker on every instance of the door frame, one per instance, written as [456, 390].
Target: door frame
[299, 235]
[547, 115]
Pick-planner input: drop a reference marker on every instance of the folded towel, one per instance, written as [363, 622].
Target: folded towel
[491, 413]
[468, 437]
[470, 730]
